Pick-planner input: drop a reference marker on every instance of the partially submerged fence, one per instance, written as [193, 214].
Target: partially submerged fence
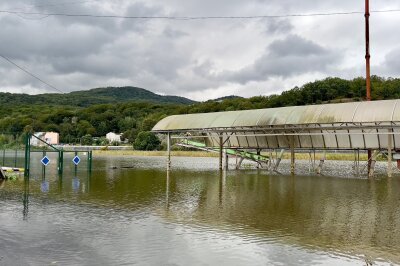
[16, 151]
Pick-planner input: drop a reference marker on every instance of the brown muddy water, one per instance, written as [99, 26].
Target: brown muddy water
[130, 211]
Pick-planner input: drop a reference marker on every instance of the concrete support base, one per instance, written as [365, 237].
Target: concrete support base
[321, 163]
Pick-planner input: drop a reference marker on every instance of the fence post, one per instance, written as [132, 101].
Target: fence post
[60, 162]
[90, 157]
[15, 157]
[27, 154]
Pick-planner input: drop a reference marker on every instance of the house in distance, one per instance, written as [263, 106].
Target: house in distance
[52, 138]
[113, 137]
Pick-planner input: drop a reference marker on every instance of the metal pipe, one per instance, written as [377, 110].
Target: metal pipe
[295, 134]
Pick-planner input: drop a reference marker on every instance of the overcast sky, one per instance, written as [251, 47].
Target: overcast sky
[198, 59]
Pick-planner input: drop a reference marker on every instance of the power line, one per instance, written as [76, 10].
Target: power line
[30, 74]
[195, 17]
[62, 4]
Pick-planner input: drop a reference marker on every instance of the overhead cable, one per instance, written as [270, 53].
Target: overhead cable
[195, 17]
[30, 74]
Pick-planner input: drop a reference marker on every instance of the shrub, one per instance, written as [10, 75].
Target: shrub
[146, 141]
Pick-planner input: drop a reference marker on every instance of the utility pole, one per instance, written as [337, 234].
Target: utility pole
[367, 52]
[368, 67]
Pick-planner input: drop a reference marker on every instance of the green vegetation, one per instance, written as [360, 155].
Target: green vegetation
[91, 97]
[86, 116]
[146, 141]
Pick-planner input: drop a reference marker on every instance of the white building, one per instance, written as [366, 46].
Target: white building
[112, 137]
[52, 138]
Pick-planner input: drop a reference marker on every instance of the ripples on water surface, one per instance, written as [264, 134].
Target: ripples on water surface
[195, 216]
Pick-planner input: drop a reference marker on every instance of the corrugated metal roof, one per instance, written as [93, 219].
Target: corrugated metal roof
[356, 125]
[354, 112]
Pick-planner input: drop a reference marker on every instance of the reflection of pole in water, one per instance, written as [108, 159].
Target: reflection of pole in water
[222, 179]
[76, 183]
[167, 190]
[60, 183]
[25, 200]
[75, 165]
[88, 180]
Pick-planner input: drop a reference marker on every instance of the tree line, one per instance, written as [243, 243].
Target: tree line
[89, 125]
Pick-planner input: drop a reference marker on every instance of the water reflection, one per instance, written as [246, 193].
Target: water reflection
[25, 200]
[45, 186]
[76, 183]
[251, 210]
[351, 216]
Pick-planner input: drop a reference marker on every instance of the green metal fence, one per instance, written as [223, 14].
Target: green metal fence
[16, 150]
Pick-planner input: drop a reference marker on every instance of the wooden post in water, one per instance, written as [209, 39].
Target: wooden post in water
[292, 159]
[169, 151]
[390, 138]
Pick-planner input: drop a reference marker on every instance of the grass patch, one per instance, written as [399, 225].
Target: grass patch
[155, 153]
[299, 156]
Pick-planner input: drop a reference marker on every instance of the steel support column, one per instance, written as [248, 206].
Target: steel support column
[292, 154]
[226, 161]
[221, 144]
[390, 138]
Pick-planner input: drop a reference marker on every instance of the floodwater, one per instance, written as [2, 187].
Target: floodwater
[130, 211]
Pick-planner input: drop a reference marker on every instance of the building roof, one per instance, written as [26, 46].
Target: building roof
[354, 112]
[354, 125]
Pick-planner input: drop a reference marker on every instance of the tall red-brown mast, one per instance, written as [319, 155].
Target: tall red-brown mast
[367, 54]
[368, 68]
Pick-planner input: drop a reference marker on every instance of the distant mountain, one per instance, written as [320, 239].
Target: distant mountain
[226, 98]
[94, 96]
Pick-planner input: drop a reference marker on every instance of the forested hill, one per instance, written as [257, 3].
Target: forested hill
[71, 115]
[90, 97]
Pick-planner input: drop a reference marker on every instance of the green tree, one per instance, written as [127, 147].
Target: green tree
[87, 140]
[146, 141]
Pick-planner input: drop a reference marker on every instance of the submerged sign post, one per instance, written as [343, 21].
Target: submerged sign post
[45, 161]
[76, 160]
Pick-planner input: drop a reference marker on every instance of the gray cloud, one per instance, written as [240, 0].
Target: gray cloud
[290, 56]
[201, 59]
[273, 26]
[391, 65]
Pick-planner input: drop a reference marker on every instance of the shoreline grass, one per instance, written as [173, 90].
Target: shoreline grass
[153, 153]
[299, 156]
